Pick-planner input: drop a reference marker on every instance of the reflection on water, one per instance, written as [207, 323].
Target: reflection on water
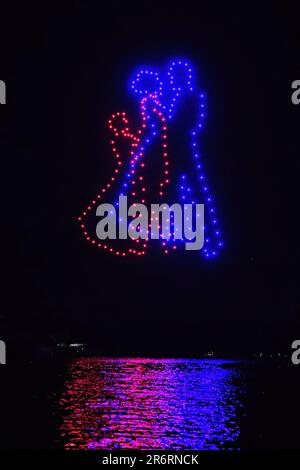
[151, 404]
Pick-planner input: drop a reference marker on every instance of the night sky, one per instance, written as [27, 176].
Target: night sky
[66, 69]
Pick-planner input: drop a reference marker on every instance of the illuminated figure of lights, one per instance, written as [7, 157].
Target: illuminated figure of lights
[158, 96]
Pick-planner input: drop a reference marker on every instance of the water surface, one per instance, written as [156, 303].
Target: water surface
[151, 404]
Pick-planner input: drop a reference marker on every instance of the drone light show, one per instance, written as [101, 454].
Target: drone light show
[158, 94]
[150, 306]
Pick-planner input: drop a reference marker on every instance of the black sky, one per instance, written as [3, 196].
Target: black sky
[66, 70]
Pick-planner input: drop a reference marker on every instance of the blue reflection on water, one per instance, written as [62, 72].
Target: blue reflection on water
[152, 404]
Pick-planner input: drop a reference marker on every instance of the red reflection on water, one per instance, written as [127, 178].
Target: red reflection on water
[151, 404]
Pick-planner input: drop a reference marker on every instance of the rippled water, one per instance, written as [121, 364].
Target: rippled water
[151, 404]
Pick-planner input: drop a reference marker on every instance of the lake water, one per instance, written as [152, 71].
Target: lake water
[95, 403]
[152, 404]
